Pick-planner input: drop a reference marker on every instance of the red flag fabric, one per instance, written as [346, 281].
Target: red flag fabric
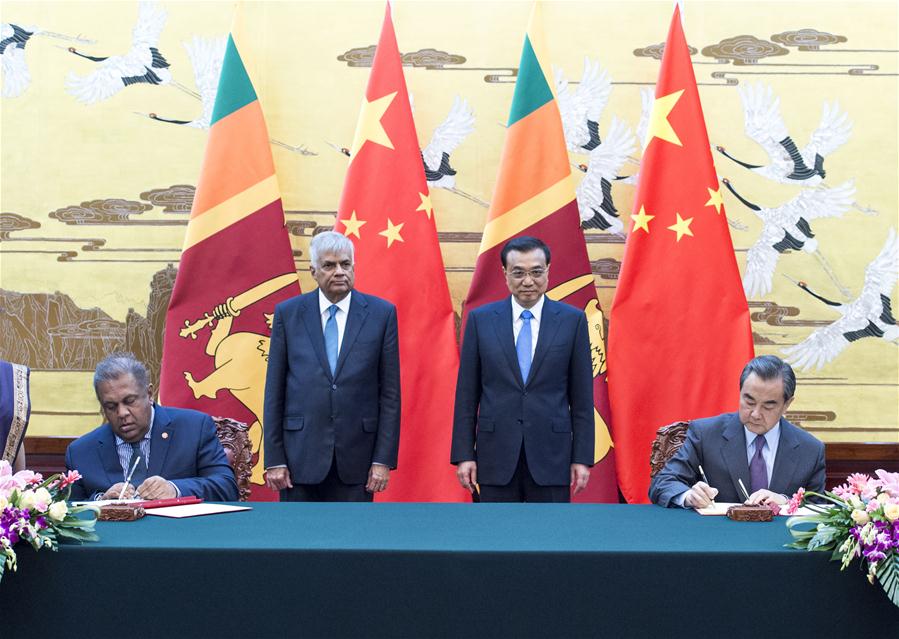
[385, 209]
[236, 264]
[679, 333]
[535, 195]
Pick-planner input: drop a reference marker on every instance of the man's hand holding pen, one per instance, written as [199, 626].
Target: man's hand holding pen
[700, 495]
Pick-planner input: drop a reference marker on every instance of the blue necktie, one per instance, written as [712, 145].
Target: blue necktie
[758, 470]
[331, 338]
[523, 346]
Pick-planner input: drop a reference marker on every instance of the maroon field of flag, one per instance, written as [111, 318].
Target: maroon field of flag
[535, 195]
[236, 264]
[679, 333]
[386, 210]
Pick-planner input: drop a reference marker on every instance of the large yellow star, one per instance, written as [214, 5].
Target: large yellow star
[425, 205]
[641, 220]
[682, 227]
[659, 126]
[715, 200]
[369, 126]
[353, 225]
[392, 232]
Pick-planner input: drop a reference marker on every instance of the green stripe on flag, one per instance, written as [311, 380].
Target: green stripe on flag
[531, 90]
[235, 89]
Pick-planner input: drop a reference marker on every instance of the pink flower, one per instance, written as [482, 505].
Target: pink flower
[842, 491]
[795, 501]
[858, 482]
[69, 478]
[889, 482]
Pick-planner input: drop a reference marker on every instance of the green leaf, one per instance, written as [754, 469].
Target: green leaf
[888, 576]
[77, 534]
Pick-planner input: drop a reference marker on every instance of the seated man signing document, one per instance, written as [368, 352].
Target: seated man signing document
[756, 446]
[174, 452]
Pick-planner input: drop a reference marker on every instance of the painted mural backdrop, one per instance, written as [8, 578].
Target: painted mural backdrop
[105, 108]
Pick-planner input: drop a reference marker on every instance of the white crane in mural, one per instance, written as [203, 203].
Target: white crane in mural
[787, 227]
[143, 64]
[868, 315]
[582, 108]
[448, 135]
[13, 40]
[788, 164]
[594, 193]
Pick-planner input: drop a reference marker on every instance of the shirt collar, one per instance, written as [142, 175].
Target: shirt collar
[771, 437]
[536, 310]
[119, 440]
[324, 303]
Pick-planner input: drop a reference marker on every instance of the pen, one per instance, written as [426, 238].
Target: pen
[128, 477]
[743, 488]
[705, 479]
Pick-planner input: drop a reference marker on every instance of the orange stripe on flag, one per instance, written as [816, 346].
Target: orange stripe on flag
[229, 169]
[529, 166]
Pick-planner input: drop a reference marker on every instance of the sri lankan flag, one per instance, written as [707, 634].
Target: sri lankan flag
[535, 195]
[236, 264]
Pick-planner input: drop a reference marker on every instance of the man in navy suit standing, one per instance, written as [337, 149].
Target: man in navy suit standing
[523, 425]
[332, 391]
[174, 452]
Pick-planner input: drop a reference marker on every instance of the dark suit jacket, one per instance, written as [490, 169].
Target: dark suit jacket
[183, 449]
[719, 445]
[312, 417]
[550, 413]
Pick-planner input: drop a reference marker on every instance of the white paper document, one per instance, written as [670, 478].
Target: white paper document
[194, 510]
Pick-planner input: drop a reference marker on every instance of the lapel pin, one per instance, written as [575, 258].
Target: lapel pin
[165, 435]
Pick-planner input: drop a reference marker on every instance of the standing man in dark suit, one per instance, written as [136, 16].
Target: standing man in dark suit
[756, 445]
[174, 452]
[523, 426]
[332, 392]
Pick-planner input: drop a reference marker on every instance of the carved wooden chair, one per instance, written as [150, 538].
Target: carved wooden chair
[668, 440]
[236, 442]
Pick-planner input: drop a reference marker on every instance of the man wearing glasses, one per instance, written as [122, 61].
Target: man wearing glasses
[332, 392]
[523, 426]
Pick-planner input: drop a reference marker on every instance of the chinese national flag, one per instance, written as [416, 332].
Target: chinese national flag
[385, 209]
[236, 264]
[535, 196]
[679, 333]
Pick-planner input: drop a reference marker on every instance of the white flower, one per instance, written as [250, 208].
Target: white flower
[27, 499]
[891, 511]
[4, 502]
[58, 510]
[42, 499]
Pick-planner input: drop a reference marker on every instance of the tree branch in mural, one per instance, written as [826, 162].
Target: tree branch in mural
[240, 358]
[869, 315]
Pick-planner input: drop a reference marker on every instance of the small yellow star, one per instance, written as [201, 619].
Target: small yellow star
[369, 126]
[659, 126]
[682, 227]
[425, 205]
[392, 232]
[715, 200]
[353, 225]
[641, 220]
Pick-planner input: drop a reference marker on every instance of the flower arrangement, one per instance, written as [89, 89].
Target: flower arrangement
[857, 519]
[34, 509]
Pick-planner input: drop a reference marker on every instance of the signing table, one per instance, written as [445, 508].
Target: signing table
[440, 570]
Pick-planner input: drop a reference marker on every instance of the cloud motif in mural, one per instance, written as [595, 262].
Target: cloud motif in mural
[12, 222]
[807, 39]
[744, 50]
[655, 51]
[110, 211]
[177, 198]
[423, 58]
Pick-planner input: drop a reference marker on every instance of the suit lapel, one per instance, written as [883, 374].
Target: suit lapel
[549, 326]
[734, 453]
[109, 457]
[786, 459]
[354, 321]
[160, 438]
[313, 322]
[502, 324]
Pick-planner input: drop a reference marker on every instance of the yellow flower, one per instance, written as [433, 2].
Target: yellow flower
[27, 499]
[860, 517]
[58, 511]
[891, 511]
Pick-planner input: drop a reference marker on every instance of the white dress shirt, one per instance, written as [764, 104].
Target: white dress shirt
[343, 309]
[517, 322]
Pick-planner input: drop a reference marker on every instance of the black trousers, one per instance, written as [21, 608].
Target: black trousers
[330, 489]
[523, 488]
